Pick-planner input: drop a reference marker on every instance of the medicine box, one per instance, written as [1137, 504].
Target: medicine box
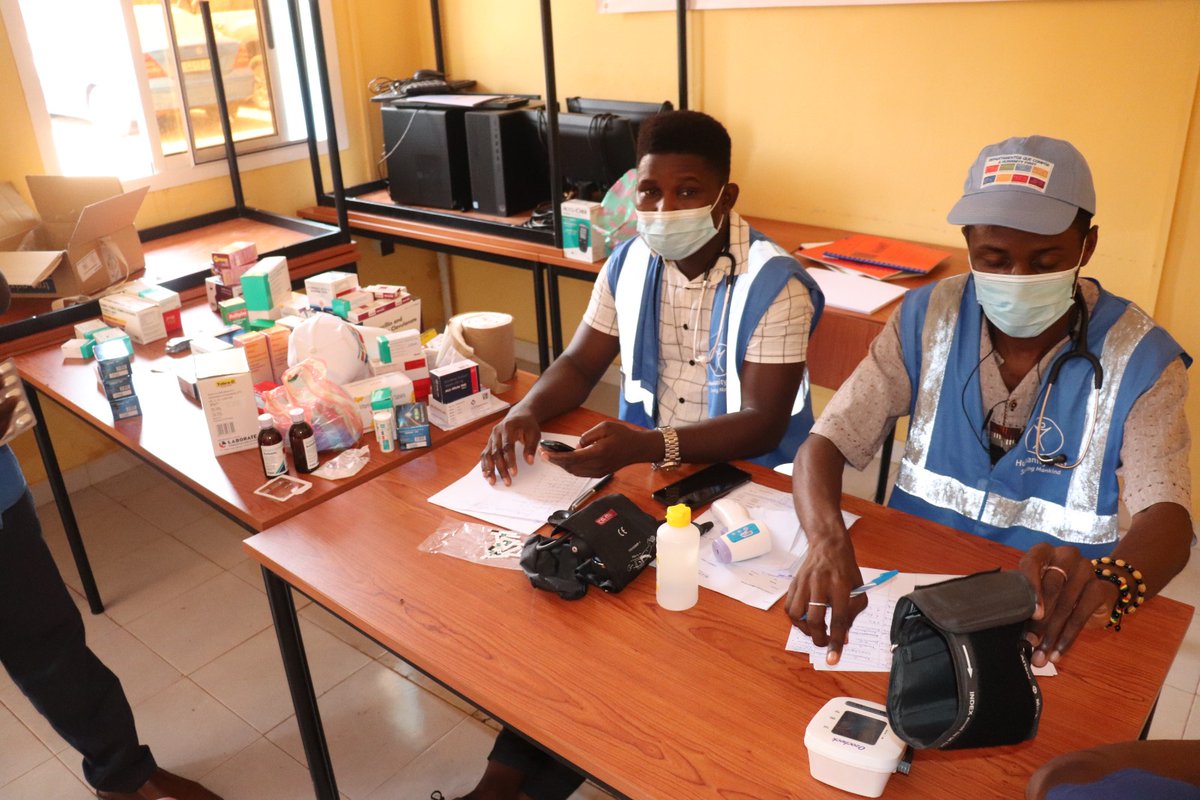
[322, 289]
[87, 329]
[277, 345]
[112, 360]
[342, 304]
[139, 318]
[386, 291]
[233, 312]
[232, 260]
[258, 355]
[125, 408]
[168, 304]
[381, 399]
[581, 239]
[267, 284]
[403, 317]
[226, 392]
[77, 348]
[112, 335]
[118, 388]
[454, 381]
[227, 332]
[459, 412]
[217, 290]
[209, 344]
[412, 426]
[361, 392]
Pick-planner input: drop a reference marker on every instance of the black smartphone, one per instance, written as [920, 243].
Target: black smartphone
[702, 487]
[553, 446]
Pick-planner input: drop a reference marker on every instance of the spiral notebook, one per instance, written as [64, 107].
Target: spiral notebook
[877, 251]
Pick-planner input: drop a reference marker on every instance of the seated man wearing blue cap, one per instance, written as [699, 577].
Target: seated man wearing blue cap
[1030, 393]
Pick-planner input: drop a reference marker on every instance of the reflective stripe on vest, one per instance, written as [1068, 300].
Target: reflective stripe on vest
[1077, 520]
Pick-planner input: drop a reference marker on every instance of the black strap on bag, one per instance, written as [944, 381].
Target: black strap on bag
[961, 675]
[607, 543]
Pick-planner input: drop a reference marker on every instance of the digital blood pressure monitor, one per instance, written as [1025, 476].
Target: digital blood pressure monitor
[852, 746]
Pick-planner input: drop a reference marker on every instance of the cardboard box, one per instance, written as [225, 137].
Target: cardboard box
[217, 290]
[141, 319]
[112, 335]
[227, 395]
[125, 408]
[412, 426]
[386, 291]
[581, 240]
[112, 360]
[77, 348]
[87, 329]
[266, 284]
[454, 381]
[258, 355]
[342, 304]
[185, 372]
[234, 259]
[209, 344]
[406, 316]
[277, 346]
[448, 416]
[56, 251]
[321, 289]
[361, 391]
[233, 312]
[168, 303]
[117, 389]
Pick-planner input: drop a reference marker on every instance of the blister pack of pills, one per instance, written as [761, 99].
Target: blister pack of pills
[12, 387]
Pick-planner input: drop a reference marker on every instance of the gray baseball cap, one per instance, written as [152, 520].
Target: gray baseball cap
[1031, 183]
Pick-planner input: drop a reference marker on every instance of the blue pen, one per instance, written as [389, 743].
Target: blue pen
[880, 580]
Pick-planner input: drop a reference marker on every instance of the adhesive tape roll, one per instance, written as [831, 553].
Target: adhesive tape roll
[490, 335]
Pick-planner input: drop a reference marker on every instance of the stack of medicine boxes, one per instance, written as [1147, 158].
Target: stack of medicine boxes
[457, 396]
[228, 264]
[115, 371]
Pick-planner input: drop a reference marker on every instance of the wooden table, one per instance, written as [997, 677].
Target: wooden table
[652, 704]
[172, 436]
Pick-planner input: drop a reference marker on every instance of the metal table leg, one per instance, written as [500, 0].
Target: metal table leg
[63, 500]
[556, 331]
[539, 313]
[304, 697]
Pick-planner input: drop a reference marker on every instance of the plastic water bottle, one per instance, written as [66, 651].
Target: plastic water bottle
[678, 573]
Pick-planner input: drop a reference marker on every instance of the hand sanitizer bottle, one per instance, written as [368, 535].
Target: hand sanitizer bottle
[678, 560]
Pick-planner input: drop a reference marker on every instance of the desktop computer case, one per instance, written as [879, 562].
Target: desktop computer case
[429, 166]
[508, 162]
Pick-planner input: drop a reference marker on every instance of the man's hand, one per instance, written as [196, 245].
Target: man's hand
[500, 454]
[608, 447]
[824, 583]
[1069, 596]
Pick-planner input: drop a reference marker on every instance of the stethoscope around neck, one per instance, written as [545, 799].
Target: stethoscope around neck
[1078, 349]
[706, 356]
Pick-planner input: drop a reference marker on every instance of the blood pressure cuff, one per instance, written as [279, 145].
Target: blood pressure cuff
[961, 675]
[607, 543]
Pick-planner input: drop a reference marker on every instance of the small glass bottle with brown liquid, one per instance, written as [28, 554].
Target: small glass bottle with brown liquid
[270, 447]
[303, 442]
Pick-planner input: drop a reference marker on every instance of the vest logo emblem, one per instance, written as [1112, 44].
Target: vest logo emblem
[1052, 437]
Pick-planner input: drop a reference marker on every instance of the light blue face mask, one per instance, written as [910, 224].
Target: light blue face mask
[675, 235]
[1024, 306]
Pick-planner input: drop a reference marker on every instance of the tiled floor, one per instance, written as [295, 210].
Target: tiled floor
[188, 631]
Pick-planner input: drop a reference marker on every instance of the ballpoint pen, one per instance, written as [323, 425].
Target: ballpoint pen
[879, 580]
[587, 493]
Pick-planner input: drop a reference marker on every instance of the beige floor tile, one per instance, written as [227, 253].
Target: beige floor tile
[263, 772]
[1171, 715]
[429, 685]
[15, 701]
[1185, 670]
[249, 679]
[589, 792]
[133, 482]
[189, 732]
[22, 751]
[314, 613]
[146, 579]
[215, 537]
[96, 626]
[118, 462]
[107, 535]
[168, 507]
[452, 765]
[250, 571]
[207, 621]
[1192, 729]
[1185, 587]
[143, 672]
[376, 723]
[50, 780]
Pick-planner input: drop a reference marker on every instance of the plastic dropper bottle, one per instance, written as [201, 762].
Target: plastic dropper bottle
[678, 559]
[303, 442]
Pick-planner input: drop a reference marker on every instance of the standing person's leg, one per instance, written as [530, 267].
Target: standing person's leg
[519, 770]
[42, 646]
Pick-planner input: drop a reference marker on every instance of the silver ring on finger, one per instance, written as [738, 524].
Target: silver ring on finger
[819, 605]
[1059, 570]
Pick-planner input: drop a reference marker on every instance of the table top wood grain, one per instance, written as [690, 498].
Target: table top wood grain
[704, 703]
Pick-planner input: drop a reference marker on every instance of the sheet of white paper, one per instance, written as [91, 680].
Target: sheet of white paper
[869, 648]
[537, 491]
[761, 581]
[855, 293]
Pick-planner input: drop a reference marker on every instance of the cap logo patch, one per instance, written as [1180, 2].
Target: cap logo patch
[1016, 168]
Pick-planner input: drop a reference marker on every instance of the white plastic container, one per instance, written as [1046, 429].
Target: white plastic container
[385, 430]
[678, 560]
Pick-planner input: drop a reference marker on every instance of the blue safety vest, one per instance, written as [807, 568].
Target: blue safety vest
[947, 475]
[635, 279]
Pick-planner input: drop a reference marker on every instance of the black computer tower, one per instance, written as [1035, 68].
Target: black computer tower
[427, 157]
[508, 162]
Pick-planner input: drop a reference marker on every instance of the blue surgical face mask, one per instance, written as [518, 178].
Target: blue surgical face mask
[1024, 306]
[675, 235]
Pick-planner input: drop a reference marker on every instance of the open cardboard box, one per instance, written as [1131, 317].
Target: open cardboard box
[56, 252]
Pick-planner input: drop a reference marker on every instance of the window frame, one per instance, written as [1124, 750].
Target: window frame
[183, 168]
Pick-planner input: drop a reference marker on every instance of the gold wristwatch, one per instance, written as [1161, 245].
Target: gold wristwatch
[670, 448]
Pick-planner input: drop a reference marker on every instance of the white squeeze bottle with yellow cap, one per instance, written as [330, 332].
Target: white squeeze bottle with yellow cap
[678, 560]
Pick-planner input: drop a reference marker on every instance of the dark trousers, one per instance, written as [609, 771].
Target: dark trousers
[43, 648]
[546, 778]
